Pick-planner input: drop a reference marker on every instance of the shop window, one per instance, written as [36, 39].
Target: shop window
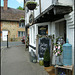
[21, 33]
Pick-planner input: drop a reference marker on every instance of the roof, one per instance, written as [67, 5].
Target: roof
[12, 14]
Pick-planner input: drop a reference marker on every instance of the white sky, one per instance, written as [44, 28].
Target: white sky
[20, 1]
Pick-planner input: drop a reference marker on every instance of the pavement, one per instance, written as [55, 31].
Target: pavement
[10, 44]
[4, 43]
[16, 61]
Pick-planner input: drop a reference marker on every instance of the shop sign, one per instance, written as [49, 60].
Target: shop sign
[43, 30]
[43, 44]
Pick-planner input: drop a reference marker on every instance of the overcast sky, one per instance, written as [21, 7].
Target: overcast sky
[13, 3]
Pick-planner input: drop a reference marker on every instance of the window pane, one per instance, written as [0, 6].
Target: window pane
[19, 24]
[22, 24]
[18, 34]
[22, 33]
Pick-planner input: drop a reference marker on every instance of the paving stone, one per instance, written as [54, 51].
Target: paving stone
[15, 61]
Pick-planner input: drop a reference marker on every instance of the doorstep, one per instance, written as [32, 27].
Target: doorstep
[50, 70]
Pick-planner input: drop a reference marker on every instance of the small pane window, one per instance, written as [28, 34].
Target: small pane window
[18, 34]
[21, 25]
[21, 33]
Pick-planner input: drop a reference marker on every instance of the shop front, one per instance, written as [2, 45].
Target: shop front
[55, 21]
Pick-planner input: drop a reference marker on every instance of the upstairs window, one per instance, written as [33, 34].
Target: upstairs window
[21, 25]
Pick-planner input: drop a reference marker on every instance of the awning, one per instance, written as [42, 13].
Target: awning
[53, 13]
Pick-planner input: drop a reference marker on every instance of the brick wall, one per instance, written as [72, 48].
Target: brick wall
[13, 28]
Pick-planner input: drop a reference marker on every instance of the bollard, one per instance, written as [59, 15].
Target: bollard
[7, 41]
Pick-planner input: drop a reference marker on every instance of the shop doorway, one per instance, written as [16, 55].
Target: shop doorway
[61, 29]
[4, 35]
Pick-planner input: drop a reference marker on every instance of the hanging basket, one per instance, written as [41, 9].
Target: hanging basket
[22, 20]
[31, 5]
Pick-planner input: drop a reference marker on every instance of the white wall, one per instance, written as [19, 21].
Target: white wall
[37, 10]
[70, 31]
[27, 17]
[45, 4]
[65, 2]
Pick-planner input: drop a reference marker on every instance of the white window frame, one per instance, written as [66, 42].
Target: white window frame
[20, 25]
[21, 33]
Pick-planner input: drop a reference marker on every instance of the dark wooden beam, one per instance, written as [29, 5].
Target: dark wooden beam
[53, 13]
[62, 10]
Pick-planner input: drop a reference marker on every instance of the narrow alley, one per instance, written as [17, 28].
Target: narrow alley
[16, 61]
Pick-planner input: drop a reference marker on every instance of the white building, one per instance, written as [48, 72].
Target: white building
[58, 15]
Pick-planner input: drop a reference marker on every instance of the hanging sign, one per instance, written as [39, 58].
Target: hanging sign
[31, 19]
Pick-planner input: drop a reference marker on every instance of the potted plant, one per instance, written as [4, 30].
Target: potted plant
[11, 39]
[47, 58]
[31, 5]
[41, 62]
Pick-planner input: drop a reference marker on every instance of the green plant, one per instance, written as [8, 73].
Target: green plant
[22, 19]
[30, 2]
[20, 8]
[58, 46]
[11, 39]
[47, 55]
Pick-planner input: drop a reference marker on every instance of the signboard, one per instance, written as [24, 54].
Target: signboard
[43, 44]
[43, 30]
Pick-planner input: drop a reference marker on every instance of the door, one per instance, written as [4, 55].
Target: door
[4, 35]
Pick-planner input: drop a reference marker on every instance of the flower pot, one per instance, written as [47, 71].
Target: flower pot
[46, 63]
[41, 62]
[31, 6]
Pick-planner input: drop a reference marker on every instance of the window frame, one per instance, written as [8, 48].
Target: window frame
[21, 25]
[20, 33]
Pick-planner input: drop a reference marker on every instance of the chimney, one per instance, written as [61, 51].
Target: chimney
[5, 4]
